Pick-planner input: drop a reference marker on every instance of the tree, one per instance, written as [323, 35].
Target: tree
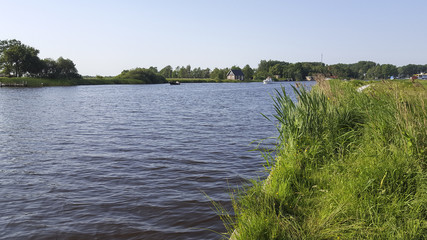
[318, 69]
[145, 75]
[183, 73]
[167, 72]
[264, 66]
[188, 71]
[260, 74]
[295, 72]
[175, 73]
[5, 44]
[361, 68]
[276, 70]
[18, 59]
[408, 70]
[206, 73]
[341, 70]
[49, 69]
[153, 69]
[197, 73]
[388, 70]
[219, 74]
[270, 68]
[374, 72]
[248, 72]
[235, 67]
[411, 69]
[66, 68]
[60, 69]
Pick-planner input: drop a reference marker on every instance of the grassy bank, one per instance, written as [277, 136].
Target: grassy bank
[348, 165]
[37, 82]
[44, 82]
[40, 82]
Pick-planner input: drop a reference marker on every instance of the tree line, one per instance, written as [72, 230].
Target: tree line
[298, 71]
[18, 60]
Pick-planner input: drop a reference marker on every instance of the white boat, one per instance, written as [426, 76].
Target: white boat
[267, 80]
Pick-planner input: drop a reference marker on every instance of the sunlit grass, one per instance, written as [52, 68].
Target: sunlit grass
[46, 82]
[349, 165]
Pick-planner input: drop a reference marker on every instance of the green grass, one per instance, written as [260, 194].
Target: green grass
[107, 80]
[44, 82]
[348, 165]
[38, 82]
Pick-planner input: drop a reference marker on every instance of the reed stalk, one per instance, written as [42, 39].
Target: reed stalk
[348, 165]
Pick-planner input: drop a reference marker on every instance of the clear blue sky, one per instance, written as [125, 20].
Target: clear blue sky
[104, 37]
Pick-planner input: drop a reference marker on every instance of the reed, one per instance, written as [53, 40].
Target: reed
[348, 165]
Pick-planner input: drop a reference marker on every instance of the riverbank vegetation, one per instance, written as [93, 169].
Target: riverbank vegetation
[47, 82]
[145, 75]
[348, 165]
[281, 70]
[18, 60]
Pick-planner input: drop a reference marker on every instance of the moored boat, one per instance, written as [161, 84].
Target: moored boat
[267, 80]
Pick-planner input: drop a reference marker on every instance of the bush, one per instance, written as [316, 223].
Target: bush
[145, 75]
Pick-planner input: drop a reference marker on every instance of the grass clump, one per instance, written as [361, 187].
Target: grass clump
[348, 165]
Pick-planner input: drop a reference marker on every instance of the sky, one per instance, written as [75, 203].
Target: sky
[105, 37]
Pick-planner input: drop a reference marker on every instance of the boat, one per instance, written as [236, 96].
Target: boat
[175, 83]
[267, 80]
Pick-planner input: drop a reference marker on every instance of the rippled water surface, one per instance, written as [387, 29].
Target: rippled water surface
[127, 161]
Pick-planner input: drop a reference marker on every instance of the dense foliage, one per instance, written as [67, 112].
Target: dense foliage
[299, 71]
[145, 75]
[348, 165]
[17, 60]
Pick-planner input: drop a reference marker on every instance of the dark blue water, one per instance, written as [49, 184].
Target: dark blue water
[127, 161]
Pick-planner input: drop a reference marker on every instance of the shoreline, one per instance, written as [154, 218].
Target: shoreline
[368, 164]
[45, 82]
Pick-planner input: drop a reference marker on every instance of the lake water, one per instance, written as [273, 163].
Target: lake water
[127, 161]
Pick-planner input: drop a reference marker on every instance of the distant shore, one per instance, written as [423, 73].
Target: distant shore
[45, 82]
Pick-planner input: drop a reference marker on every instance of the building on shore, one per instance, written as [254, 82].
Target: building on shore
[235, 75]
[422, 76]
